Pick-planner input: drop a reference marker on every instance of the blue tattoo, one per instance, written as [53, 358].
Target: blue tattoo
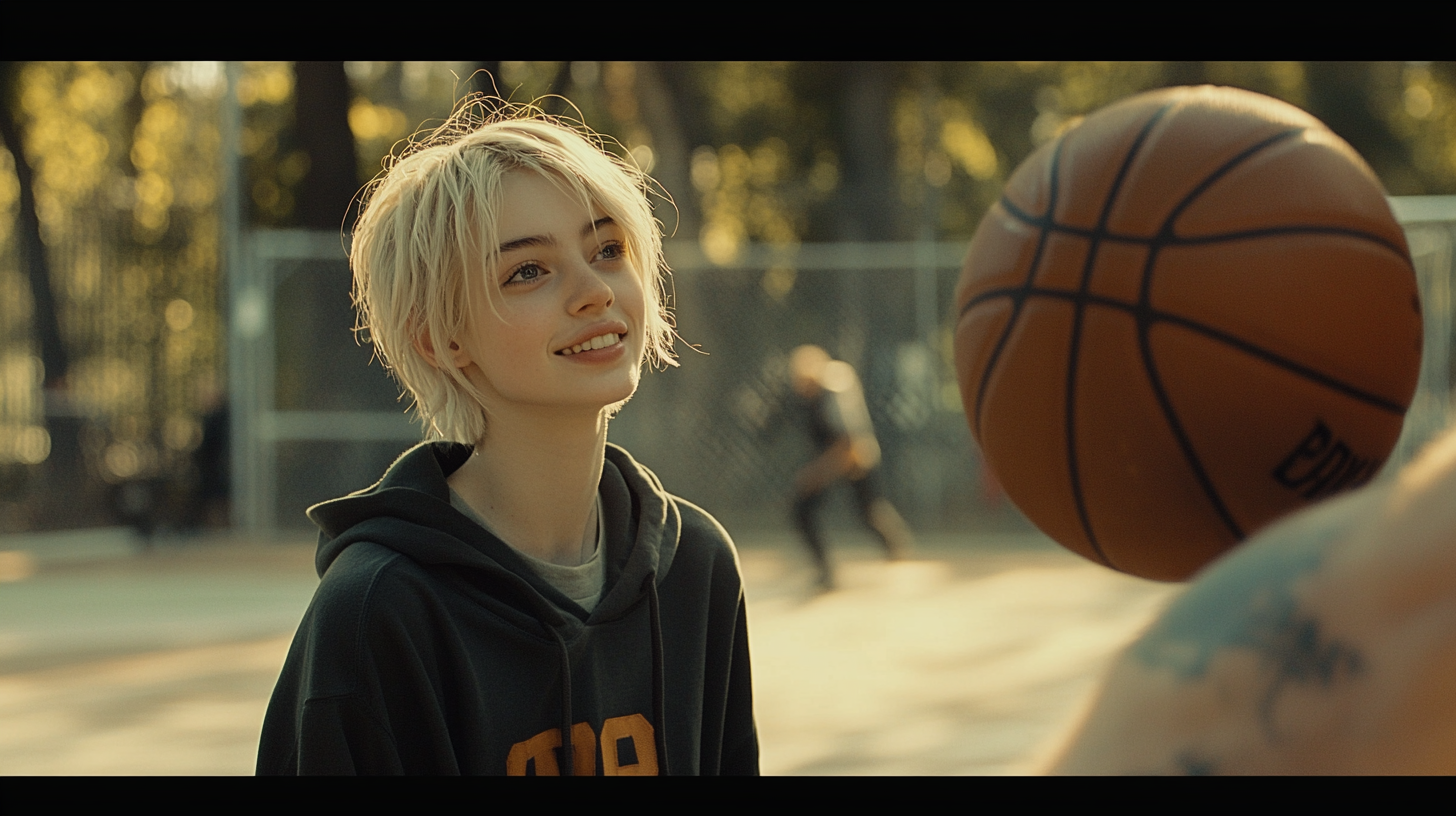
[1192, 764]
[1248, 602]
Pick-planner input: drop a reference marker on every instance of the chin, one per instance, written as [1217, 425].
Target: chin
[625, 396]
[612, 410]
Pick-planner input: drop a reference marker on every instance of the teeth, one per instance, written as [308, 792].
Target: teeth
[600, 341]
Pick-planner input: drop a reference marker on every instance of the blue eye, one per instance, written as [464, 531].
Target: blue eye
[525, 273]
[611, 252]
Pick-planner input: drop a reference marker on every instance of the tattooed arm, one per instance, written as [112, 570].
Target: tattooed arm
[1325, 644]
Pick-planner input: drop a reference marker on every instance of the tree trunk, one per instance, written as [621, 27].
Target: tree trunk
[659, 111]
[45, 321]
[868, 209]
[1339, 95]
[326, 194]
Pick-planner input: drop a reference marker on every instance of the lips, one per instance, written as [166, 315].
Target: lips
[595, 337]
[600, 341]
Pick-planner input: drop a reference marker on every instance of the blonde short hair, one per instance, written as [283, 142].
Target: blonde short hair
[432, 215]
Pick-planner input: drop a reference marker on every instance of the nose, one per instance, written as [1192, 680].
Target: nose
[590, 292]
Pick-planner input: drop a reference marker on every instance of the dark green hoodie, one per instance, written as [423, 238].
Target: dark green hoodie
[431, 648]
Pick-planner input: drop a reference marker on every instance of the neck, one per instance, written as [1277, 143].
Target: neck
[534, 480]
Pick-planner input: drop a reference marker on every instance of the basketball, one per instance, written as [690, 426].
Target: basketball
[1188, 315]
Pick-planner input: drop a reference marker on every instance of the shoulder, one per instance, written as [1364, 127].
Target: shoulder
[700, 529]
[704, 543]
[370, 606]
[361, 678]
[700, 524]
[364, 571]
[700, 539]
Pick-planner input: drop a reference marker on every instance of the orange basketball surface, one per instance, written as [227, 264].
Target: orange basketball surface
[1187, 316]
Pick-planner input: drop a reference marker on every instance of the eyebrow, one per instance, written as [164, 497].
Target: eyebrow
[543, 240]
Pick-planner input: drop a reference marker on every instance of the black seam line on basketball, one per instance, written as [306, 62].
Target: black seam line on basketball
[1155, 316]
[1018, 300]
[1209, 180]
[1045, 224]
[1279, 232]
[1348, 390]
[1189, 454]
[1027, 218]
[1143, 315]
[1075, 346]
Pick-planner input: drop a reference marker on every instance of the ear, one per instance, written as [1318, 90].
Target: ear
[459, 357]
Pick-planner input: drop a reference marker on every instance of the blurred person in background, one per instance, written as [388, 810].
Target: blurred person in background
[846, 449]
[208, 505]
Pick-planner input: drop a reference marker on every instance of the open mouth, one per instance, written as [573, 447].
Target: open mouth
[598, 342]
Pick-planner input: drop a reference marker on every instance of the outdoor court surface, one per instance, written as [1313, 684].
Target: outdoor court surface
[970, 657]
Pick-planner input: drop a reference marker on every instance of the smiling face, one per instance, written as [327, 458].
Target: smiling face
[566, 330]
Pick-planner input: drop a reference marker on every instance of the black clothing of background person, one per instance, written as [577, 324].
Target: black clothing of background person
[846, 448]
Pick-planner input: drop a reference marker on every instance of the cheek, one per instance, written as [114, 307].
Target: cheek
[499, 345]
[634, 303]
[633, 297]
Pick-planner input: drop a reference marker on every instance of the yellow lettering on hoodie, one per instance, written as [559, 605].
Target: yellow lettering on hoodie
[636, 728]
[540, 751]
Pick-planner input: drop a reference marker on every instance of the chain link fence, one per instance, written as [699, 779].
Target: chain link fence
[1430, 228]
[314, 418]
[724, 429]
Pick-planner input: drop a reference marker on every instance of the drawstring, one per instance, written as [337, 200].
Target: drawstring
[568, 756]
[659, 715]
[659, 733]
[544, 614]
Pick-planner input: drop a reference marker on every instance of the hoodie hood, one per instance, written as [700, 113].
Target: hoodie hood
[409, 512]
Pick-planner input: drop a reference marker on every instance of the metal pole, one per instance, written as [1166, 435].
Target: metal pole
[240, 413]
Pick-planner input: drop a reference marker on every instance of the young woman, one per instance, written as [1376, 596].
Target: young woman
[519, 596]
